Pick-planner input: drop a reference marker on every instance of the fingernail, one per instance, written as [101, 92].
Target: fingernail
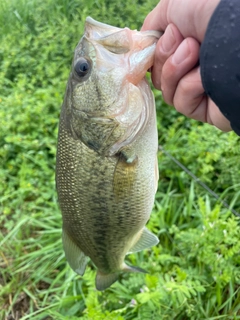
[181, 53]
[168, 39]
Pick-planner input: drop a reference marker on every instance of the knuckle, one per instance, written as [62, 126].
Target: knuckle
[160, 55]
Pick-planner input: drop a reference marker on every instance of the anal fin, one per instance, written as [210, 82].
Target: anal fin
[146, 240]
[75, 257]
[128, 268]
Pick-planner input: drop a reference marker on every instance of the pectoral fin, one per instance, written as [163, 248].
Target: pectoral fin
[146, 240]
[75, 257]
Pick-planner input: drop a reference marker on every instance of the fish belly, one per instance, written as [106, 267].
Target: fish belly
[102, 213]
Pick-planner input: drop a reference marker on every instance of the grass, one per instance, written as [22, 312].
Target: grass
[193, 272]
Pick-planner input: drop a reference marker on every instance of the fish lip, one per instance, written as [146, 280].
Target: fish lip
[152, 33]
[90, 22]
[95, 23]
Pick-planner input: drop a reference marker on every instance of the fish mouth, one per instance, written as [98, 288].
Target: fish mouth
[137, 48]
[140, 62]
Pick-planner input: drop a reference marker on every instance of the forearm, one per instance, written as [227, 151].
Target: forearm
[220, 60]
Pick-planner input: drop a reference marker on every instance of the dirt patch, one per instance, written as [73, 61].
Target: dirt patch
[20, 307]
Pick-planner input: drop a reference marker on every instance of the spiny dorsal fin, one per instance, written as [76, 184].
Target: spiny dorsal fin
[75, 257]
[147, 239]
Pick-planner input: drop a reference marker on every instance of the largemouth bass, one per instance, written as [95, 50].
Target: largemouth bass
[107, 169]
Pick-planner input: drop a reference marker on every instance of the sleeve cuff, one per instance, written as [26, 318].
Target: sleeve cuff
[220, 60]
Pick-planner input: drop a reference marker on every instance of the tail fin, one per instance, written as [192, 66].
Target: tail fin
[103, 281]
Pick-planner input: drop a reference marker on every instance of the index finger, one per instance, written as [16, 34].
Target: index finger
[157, 18]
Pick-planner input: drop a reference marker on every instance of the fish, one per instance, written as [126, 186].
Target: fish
[106, 163]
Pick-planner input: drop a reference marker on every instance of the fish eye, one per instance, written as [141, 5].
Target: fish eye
[82, 67]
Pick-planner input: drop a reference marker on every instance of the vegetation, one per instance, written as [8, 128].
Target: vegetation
[194, 273]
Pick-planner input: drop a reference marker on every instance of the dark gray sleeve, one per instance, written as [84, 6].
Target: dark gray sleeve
[220, 60]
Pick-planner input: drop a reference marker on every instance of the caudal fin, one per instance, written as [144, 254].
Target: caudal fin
[103, 281]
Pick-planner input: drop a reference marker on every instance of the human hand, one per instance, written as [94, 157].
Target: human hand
[176, 71]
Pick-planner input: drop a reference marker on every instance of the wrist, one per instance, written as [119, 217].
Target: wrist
[203, 13]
